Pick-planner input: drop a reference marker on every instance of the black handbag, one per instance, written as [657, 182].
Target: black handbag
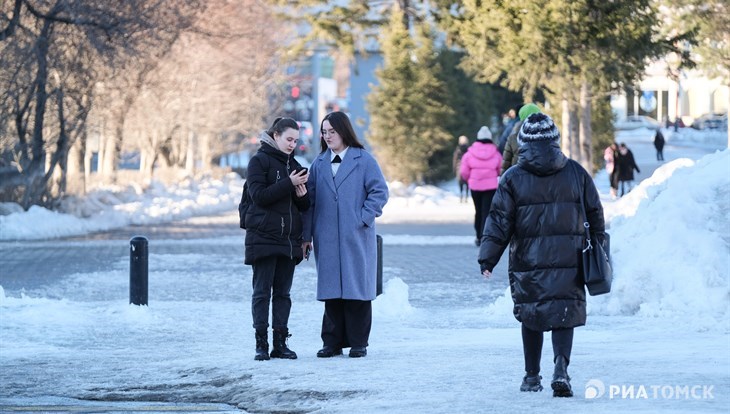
[597, 272]
[595, 259]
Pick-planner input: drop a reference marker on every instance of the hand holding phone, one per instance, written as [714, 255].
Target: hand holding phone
[299, 176]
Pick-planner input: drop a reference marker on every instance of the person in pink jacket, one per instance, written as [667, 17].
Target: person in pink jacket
[480, 169]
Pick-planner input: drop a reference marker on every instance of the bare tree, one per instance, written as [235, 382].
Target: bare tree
[214, 85]
[51, 52]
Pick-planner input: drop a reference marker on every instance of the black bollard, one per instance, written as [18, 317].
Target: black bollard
[379, 283]
[138, 270]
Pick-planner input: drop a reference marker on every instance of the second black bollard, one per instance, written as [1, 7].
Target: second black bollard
[138, 268]
[379, 281]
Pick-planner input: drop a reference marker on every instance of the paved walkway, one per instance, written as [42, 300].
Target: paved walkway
[32, 265]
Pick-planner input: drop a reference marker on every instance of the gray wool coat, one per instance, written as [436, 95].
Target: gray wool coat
[341, 224]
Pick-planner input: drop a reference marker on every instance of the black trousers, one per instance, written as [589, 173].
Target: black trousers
[463, 186]
[626, 186]
[532, 346]
[272, 274]
[660, 154]
[482, 204]
[346, 323]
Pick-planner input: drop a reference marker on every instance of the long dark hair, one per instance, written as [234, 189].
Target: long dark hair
[340, 122]
[282, 124]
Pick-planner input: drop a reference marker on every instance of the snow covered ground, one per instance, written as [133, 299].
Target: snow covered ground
[660, 342]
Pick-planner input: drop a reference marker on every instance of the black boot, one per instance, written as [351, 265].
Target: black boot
[531, 383]
[329, 352]
[280, 349]
[262, 345]
[561, 380]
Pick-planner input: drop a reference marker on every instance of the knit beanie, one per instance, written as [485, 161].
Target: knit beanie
[527, 110]
[484, 134]
[538, 127]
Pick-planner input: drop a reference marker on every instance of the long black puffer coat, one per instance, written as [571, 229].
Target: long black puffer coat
[273, 220]
[626, 164]
[536, 210]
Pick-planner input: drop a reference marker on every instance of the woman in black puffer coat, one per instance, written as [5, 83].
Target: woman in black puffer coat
[277, 186]
[537, 212]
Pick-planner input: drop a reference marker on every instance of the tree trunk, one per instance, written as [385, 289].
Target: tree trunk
[570, 134]
[36, 183]
[107, 167]
[190, 153]
[205, 152]
[60, 158]
[575, 131]
[73, 173]
[586, 133]
[87, 161]
[565, 121]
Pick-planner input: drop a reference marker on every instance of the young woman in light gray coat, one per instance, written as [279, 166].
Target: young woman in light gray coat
[347, 192]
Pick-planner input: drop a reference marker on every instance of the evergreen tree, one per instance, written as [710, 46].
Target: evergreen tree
[407, 107]
[474, 104]
[603, 132]
[577, 51]
[710, 20]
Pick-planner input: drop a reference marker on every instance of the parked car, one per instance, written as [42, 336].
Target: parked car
[636, 122]
[711, 121]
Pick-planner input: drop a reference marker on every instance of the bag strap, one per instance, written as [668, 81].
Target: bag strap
[586, 224]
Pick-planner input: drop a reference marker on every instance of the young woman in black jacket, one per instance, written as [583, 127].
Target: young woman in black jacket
[277, 186]
[537, 212]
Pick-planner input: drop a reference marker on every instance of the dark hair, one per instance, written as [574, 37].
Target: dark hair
[282, 124]
[341, 124]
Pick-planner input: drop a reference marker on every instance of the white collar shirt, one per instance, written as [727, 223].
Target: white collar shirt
[336, 165]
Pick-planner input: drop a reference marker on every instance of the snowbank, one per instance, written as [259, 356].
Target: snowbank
[116, 207]
[670, 244]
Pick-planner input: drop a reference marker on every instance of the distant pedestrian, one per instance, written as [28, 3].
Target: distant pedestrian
[659, 145]
[512, 149]
[626, 166]
[348, 191]
[459, 152]
[277, 186]
[537, 212]
[509, 126]
[480, 169]
[610, 156]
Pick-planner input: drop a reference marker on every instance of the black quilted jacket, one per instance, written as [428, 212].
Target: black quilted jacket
[274, 220]
[536, 211]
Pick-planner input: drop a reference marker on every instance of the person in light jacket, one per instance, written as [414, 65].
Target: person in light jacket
[347, 191]
[610, 155]
[537, 212]
[480, 169]
[277, 186]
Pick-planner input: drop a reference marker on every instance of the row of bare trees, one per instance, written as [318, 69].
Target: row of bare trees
[177, 81]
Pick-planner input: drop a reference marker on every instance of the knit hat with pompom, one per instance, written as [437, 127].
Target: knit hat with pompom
[538, 127]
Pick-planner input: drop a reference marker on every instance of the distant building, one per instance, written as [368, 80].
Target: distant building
[662, 97]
